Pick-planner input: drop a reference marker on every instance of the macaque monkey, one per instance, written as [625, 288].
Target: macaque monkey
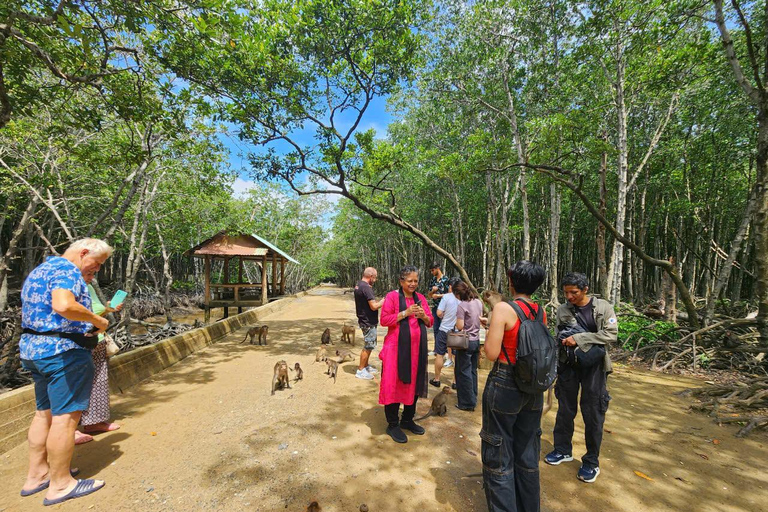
[491, 298]
[314, 507]
[299, 372]
[280, 378]
[321, 355]
[439, 405]
[325, 339]
[253, 331]
[346, 331]
[344, 354]
[333, 368]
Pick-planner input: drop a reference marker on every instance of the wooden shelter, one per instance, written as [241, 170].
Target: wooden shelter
[238, 249]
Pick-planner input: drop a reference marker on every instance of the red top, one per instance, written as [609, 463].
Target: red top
[509, 341]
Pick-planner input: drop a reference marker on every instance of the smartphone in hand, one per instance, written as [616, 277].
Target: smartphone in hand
[118, 298]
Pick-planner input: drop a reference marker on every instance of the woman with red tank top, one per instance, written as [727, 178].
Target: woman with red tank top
[509, 341]
[511, 433]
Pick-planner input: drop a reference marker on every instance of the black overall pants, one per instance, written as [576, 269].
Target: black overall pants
[510, 443]
[594, 404]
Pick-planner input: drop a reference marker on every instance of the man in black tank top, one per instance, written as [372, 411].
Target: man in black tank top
[586, 326]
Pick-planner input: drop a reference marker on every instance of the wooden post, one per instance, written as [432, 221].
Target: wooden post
[282, 276]
[274, 274]
[207, 288]
[264, 280]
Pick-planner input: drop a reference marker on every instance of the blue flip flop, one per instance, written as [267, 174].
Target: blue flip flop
[83, 488]
[43, 486]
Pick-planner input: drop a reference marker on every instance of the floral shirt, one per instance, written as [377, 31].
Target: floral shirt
[442, 287]
[37, 311]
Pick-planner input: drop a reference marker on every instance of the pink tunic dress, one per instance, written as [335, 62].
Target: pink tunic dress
[393, 390]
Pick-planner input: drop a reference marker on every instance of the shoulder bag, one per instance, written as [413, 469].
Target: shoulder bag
[458, 340]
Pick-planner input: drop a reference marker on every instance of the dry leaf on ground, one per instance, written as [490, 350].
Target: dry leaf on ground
[643, 475]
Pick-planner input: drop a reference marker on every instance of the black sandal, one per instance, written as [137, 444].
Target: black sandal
[435, 383]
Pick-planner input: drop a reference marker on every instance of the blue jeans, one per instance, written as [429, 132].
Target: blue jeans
[438, 321]
[511, 443]
[466, 375]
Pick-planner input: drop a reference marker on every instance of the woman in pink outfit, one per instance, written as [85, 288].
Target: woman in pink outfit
[404, 354]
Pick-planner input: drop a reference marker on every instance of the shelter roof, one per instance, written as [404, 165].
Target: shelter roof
[222, 245]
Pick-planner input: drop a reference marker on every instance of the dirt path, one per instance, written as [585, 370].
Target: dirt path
[207, 435]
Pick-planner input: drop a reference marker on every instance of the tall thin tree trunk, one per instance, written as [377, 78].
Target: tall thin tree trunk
[554, 238]
[617, 257]
[602, 265]
[168, 277]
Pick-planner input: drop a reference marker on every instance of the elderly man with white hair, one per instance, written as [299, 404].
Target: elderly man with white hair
[59, 332]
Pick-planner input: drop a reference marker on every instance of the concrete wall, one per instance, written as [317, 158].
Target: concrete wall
[125, 370]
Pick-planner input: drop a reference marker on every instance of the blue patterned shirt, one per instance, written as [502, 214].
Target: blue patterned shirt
[442, 287]
[37, 312]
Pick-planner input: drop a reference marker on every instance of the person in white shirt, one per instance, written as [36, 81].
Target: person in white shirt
[446, 311]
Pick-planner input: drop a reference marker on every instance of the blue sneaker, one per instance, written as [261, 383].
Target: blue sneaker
[554, 458]
[587, 474]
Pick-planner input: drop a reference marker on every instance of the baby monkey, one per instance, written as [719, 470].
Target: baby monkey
[333, 368]
[325, 339]
[299, 372]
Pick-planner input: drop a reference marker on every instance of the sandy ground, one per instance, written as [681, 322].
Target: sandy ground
[207, 435]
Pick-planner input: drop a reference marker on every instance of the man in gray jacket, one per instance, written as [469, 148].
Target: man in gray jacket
[586, 326]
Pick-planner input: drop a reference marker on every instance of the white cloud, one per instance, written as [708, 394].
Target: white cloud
[241, 187]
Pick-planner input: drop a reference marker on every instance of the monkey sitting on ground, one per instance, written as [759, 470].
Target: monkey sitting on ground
[333, 368]
[299, 372]
[314, 507]
[346, 332]
[344, 354]
[325, 339]
[261, 331]
[280, 378]
[439, 405]
[321, 355]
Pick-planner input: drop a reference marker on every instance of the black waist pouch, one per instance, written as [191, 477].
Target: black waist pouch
[81, 339]
[593, 356]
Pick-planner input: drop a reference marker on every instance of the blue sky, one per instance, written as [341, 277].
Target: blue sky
[376, 117]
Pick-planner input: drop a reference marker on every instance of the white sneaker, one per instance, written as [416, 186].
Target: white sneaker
[448, 363]
[370, 369]
[363, 374]
[431, 352]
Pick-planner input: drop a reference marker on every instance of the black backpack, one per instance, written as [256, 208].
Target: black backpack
[536, 362]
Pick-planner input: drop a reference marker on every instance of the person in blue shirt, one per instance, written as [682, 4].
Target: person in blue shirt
[57, 322]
